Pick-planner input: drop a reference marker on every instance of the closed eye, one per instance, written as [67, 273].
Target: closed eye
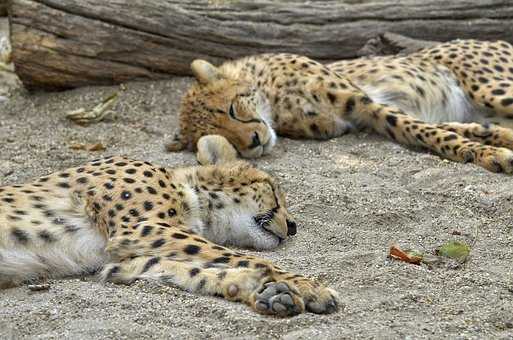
[231, 113]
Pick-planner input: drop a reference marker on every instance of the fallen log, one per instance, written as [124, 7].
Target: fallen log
[71, 43]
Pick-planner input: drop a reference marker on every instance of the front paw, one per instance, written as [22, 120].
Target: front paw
[318, 298]
[284, 298]
[278, 298]
[215, 149]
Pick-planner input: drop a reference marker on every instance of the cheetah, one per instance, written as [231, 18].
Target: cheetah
[441, 99]
[127, 220]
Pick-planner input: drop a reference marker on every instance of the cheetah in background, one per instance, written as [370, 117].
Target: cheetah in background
[132, 220]
[440, 98]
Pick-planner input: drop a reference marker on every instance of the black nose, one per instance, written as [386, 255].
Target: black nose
[291, 228]
[255, 141]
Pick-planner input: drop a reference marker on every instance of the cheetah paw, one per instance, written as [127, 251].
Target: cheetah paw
[283, 299]
[496, 160]
[278, 298]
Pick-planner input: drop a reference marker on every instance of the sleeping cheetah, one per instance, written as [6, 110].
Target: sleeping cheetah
[437, 98]
[132, 220]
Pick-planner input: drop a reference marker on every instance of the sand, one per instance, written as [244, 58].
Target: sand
[352, 196]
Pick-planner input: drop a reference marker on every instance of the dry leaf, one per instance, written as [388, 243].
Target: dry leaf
[83, 116]
[411, 257]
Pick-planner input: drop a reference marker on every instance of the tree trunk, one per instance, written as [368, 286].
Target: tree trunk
[70, 43]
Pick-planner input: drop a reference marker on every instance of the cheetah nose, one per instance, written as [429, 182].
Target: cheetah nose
[255, 141]
[291, 228]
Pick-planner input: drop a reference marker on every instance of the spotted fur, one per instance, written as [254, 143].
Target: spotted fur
[129, 219]
[441, 99]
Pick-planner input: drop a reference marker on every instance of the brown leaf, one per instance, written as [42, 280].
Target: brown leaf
[397, 253]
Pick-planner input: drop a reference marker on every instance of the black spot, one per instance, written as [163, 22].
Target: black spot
[148, 205]
[126, 195]
[133, 212]
[482, 80]
[82, 180]
[108, 185]
[20, 236]
[194, 271]
[243, 263]
[507, 101]
[131, 171]
[179, 236]
[171, 212]
[120, 164]
[158, 243]
[129, 180]
[146, 230]
[162, 184]
[222, 259]
[450, 137]
[46, 236]
[151, 262]
[63, 185]
[148, 174]
[192, 249]
[151, 190]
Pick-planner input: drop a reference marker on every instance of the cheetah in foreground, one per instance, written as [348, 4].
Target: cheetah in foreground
[438, 98]
[131, 220]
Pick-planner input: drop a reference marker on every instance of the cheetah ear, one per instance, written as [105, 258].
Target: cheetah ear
[204, 71]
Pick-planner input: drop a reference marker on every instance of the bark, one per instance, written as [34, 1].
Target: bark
[70, 43]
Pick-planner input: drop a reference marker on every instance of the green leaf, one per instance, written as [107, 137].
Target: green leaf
[455, 250]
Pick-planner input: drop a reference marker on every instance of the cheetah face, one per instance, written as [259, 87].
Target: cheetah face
[249, 212]
[271, 223]
[228, 107]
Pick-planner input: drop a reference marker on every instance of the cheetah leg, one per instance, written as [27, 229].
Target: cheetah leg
[487, 134]
[197, 265]
[400, 127]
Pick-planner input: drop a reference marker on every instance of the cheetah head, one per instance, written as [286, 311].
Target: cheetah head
[241, 206]
[223, 105]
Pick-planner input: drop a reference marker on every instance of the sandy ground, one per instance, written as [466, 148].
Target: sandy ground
[352, 197]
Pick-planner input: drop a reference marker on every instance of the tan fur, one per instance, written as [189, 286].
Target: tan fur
[129, 220]
[426, 99]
